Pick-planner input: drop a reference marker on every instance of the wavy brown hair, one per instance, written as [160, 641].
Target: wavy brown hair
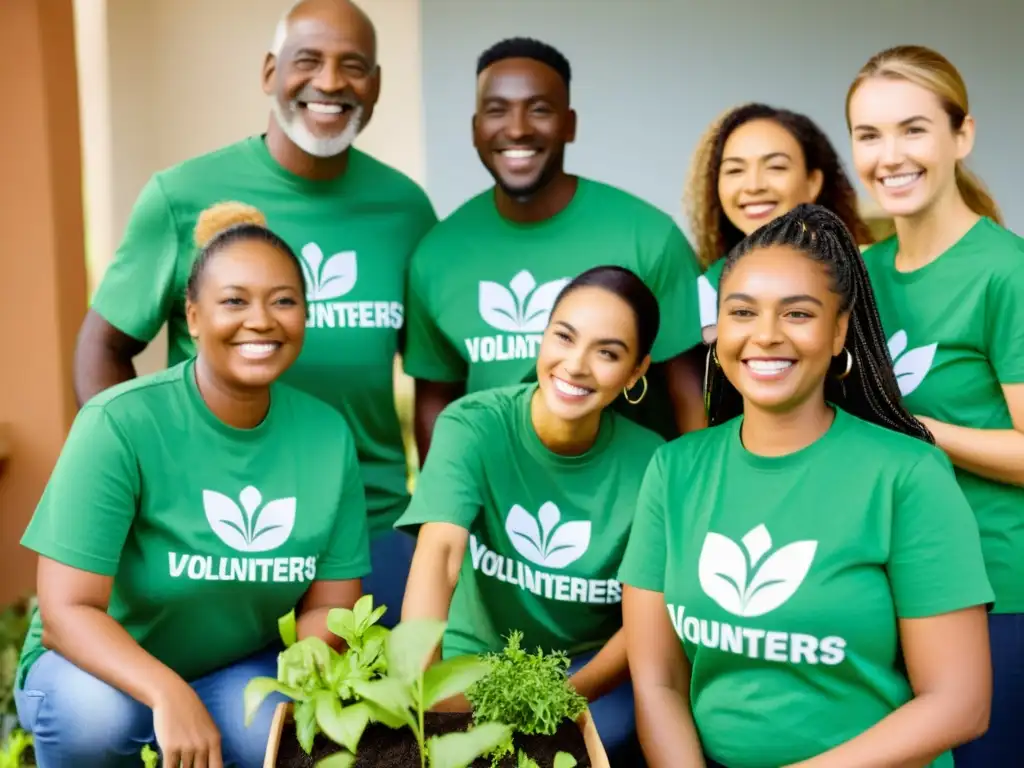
[714, 234]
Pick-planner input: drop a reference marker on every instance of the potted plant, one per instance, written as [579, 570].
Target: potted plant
[370, 705]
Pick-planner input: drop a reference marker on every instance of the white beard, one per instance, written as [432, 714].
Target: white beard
[295, 129]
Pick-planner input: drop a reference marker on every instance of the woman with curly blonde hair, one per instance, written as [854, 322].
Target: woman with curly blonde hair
[755, 163]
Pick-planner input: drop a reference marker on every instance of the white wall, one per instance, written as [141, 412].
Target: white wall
[649, 75]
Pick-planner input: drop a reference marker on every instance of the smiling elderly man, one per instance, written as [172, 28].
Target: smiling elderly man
[355, 223]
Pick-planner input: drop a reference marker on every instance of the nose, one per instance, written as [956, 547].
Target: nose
[892, 150]
[753, 180]
[330, 78]
[259, 318]
[517, 125]
[575, 362]
[768, 330]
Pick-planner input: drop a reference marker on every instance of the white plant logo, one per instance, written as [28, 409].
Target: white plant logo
[761, 586]
[249, 528]
[523, 309]
[910, 367]
[707, 300]
[329, 278]
[547, 544]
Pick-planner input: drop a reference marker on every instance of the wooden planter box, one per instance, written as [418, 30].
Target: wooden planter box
[283, 717]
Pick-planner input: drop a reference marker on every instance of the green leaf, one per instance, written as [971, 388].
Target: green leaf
[362, 610]
[390, 696]
[458, 750]
[342, 725]
[410, 645]
[341, 621]
[288, 629]
[305, 724]
[337, 760]
[257, 689]
[564, 760]
[451, 676]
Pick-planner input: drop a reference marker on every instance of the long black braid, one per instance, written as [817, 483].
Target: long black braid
[870, 390]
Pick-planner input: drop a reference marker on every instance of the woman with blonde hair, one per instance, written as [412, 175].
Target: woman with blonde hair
[950, 290]
[755, 163]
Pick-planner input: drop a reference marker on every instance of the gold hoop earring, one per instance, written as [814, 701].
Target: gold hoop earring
[849, 365]
[625, 392]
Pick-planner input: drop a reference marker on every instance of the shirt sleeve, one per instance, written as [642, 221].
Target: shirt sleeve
[429, 355]
[1005, 329]
[643, 563]
[707, 294]
[138, 288]
[91, 499]
[935, 560]
[347, 555]
[450, 487]
[672, 277]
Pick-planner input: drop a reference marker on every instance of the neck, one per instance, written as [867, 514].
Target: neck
[301, 163]
[768, 433]
[927, 235]
[566, 438]
[548, 201]
[238, 408]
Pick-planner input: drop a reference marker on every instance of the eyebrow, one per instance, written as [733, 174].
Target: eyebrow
[902, 123]
[244, 288]
[609, 341]
[787, 300]
[769, 156]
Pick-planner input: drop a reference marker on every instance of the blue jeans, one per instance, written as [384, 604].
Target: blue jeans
[390, 558]
[76, 719]
[614, 717]
[1003, 743]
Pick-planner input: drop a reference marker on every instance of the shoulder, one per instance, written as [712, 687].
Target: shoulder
[132, 405]
[462, 223]
[687, 451]
[629, 206]
[1001, 249]
[390, 182]
[301, 411]
[880, 252]
[183, 177]
[888, 449]
[633, 439]
[488, 412]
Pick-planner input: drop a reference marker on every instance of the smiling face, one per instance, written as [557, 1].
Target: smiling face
[588, 353]
[522, 124]
[324, 81]
[904, 148]
[763, 175]
[249, 315]
[779, 328]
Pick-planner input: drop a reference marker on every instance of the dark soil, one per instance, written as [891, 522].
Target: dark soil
[382, 747]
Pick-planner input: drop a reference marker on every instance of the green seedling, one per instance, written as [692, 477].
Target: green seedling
[13, 750]
[562, 760]
[150, 757]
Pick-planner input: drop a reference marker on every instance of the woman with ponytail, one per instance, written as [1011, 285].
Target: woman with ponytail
[804, 584]
[950, 289]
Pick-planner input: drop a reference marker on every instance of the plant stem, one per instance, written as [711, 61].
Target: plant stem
[422, 735]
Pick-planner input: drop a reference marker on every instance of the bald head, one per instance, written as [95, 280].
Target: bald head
[343, 15]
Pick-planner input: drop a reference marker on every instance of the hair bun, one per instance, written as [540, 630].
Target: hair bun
[222, 216]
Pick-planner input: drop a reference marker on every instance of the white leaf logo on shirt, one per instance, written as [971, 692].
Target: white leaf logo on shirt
[523, 309]
[249, 528]
[330, 278]
[735, 580]
[707, 300]
[542, 540]
[910, 367]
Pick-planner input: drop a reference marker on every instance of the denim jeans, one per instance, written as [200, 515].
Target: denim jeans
[390, 558]
[614, 718]
[78, 720]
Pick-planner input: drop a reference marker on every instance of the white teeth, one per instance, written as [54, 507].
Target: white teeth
[257, 349]
[324, 109]
[902, 180]
[519, 154]
[569, 389]
[758, 208]
[769, 366]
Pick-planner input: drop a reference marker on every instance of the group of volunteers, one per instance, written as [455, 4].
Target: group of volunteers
[767, 493]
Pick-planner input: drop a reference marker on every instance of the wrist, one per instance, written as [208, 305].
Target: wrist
[160, 687]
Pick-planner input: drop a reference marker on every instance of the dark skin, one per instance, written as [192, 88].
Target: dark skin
[330, 53]
[522, 104]
[249, 294]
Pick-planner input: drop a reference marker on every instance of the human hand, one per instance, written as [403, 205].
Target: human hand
[185, 732]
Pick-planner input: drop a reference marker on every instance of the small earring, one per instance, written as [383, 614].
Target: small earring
[625, 392]
[849, 365]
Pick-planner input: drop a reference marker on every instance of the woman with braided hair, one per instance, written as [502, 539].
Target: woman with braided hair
[754, 163]
[821, 569]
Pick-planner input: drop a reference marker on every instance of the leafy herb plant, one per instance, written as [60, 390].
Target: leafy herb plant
[150, 757]
[12, 752]
[562, 760]
[529, 692]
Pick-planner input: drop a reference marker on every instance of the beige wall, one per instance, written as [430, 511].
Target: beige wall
[163, 80]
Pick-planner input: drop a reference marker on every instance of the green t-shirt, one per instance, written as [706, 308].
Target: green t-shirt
[355, 236]
[547, 532]
[784, 577]
[210, 533]
[956, 333]
[707, 293]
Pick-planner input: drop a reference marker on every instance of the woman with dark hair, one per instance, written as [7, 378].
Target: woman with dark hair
[804, 582]
[526, 499]
[753, 164]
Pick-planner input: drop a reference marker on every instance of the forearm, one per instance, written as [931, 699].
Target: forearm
[431, 398]
[666, 729]
[686, 387]
[95, 643]
[95, 373]
[914, 735]
[605, 672]
[995, 454]
[313, 623]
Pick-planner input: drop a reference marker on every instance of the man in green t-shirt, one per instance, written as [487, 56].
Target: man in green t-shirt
[354, 221]
[482, 283]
